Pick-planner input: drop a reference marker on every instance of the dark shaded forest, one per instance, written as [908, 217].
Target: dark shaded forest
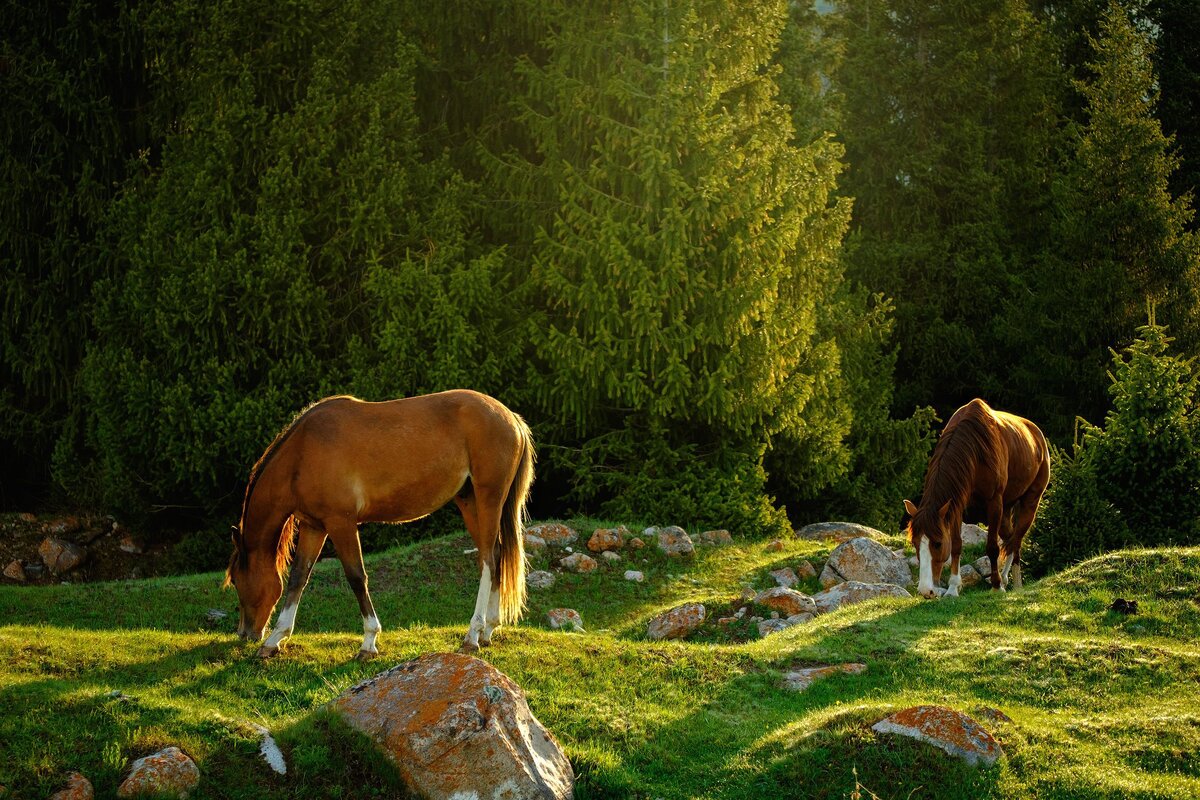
[731, 260]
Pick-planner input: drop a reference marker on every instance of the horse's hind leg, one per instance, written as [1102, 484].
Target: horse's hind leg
[345, 539]
[1026, 512]
[481, 514]
[308, 550]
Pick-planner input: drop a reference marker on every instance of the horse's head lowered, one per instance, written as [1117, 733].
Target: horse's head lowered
[929, 532]
[256, 577]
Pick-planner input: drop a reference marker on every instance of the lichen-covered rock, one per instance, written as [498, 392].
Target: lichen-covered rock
[604, 539]
[564, 619]
[674, 542]
[60, 556]
[610, 556]
[774, 546]
[578, 562]
[716, 538]
[969, 575]
[636, 543]
[866, 561]
[553, 533]
[769, 626]
[534, 544]
[951, 730]
[785, 577]
[78, 788]
[837, 531]
[455, 728]
[15, 571]
[805, 570]
[539, 579]
[800, 679]
[851, 592]
[168, 772]
[634, 575]
[785, 600]
[676, 623]
[983, 566]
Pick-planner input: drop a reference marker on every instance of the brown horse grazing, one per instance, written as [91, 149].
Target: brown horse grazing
[343, 461]
[989, 467]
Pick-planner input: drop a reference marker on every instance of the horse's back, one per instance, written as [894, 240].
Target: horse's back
[1019, 442]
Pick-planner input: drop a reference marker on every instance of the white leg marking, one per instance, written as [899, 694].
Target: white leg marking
[925, 581]
[955, 585]
[493, 615]
[283, 626]
[479, 618]
[1008, 560]
[371, 629]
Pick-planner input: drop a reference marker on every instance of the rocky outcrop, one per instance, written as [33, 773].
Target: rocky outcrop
[866, 561]
[837, 531]
[169, 772]
[676, 623]
[456, 728]
[950, 730]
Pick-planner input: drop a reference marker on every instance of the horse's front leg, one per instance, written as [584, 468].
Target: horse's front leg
[349, 550]
[308, 550]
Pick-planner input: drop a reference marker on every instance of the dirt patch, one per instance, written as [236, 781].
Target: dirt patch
[110, 552]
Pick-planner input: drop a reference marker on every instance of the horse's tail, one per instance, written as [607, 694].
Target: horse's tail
[511, 567]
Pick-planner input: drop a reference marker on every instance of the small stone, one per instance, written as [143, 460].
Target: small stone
[610, 556]
[676, 623]
[785, 577]
[534, 544]
[636, 544]
[564, 619]
[774, 615]
[805, 570]
[994, 715]
[800, 679]
[969, 575]
[972, 535]
[215, 615]
[578, 562]
[788, 601]
[130, 545]
[604, 539]
[674, 542]
[741, 612]
[539, 579]
[634, 575]
[553, 533]
[78, 788]
[756, 619]
[168, 772]
[775, 546]
[716, 538]
[983, 566]
[769, 626]
[62, 526]
[60, 556]
[950, 730]
[27, 517]
[15, 571]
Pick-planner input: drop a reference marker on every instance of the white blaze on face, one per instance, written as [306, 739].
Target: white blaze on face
[925, 579]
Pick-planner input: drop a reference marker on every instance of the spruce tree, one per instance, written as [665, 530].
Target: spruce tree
[681, 246]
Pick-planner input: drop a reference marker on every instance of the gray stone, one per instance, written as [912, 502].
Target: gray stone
[539, 579]
[866, 561]
[674, 541]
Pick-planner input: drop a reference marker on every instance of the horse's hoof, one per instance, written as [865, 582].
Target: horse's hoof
[266, 652]
[468, 649]
[485, 642]
[365, 655]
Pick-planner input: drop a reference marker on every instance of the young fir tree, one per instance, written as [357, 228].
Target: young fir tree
[681, 247]
[1122, 237]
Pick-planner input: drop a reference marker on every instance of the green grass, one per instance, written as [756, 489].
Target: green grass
[1102, 705]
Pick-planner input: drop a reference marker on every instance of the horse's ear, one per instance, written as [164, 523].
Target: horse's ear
[944, 513]
[233, 529]
[910, 508]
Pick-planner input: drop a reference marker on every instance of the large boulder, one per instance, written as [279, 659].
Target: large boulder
[951, 730]
[851, 592]
[169, 772]
[837, 531]
[867, 561]
[455, 727]
[676, 623]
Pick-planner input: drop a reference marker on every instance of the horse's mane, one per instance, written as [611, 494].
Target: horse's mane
[283, 555]
[960, 451]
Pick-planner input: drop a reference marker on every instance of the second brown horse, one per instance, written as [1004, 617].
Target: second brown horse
[990, 467]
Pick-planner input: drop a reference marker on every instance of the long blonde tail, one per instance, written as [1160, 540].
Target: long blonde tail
[511, 568]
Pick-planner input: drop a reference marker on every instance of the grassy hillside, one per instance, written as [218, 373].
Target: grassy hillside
[1102, 705]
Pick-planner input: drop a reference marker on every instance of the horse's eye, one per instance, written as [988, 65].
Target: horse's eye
[935, 544]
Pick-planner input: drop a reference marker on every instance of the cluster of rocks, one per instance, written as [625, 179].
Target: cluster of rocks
[604, 546]
[64, 545]
[168, 773]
